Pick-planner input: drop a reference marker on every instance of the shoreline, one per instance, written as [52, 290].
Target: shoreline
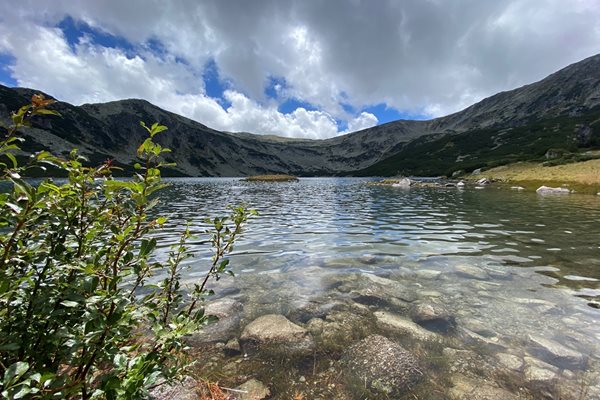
[583, 177]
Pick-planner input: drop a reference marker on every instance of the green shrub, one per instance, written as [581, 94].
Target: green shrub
[74, 258]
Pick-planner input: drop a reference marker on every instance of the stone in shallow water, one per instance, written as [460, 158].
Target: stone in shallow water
[254, 390]
[537, 371]
[464, 388]
[556, 353]
[471, 337]
[510, 361]
[396, 323]
[340, 328]
[184, 390]
[380, 366]
[471, 272]
[232, 347]
[427, 274]
[432, 316]
[273, 333]
[466, 362]
[228, 312]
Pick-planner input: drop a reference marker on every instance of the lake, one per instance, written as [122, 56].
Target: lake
[516, 274]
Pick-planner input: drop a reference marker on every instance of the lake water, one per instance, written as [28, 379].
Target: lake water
[510, 267]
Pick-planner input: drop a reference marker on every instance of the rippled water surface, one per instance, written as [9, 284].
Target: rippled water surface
[507, 264]
[344, 223]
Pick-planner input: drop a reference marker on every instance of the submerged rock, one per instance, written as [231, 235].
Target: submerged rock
[471, 337]
[232, 347]
[380, 366]
[386, 288]
[510, 361]
[537, 371]
[432, 316]
[471, 272]
[466, 362]
[465, 388]
[253, 390]
[398, 324]
[273, 333]
[184, 390]
[427, 273]
[340, 328]
[556, 353]
[228, 314]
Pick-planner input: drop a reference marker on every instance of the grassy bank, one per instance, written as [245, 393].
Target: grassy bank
[581, 176]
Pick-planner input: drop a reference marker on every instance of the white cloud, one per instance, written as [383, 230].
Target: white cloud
[363, 121]
[92, 73]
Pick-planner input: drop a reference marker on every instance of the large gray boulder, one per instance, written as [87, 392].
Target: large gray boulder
[274, 333]
[378, 366]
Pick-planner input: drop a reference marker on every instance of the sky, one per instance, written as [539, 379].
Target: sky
[297, 68]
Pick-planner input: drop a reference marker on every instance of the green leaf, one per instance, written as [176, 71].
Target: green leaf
[16, 209]
[9, 346]
[45, 111]
[156, 128]
[69, 303]
[223, 264]
[147, 246]
[14, 372]
[22, 392]
[12, 158]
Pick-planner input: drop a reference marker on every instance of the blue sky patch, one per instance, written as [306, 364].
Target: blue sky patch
[5, 74]
[291, 104]
[386, 114]
[214, 86]
[271, 88]
[74, 30]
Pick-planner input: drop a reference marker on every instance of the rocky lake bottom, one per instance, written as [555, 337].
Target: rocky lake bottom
[348, 291]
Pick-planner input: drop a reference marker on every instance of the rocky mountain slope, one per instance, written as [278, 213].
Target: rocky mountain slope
[560, 111]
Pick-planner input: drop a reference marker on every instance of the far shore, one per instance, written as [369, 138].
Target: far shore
[583, 177]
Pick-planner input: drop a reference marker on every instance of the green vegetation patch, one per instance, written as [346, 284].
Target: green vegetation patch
[442, 154]
[271, 178]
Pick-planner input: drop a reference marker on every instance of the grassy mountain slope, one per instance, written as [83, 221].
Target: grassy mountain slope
[442, 154]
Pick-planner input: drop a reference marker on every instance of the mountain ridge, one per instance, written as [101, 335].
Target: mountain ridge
[111, 130]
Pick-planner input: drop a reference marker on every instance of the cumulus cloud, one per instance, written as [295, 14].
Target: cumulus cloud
[90, 73]
[415, 56]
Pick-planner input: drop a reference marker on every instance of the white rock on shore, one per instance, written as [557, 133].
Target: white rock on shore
[556, 190]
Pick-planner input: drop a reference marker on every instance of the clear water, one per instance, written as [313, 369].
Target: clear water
[540, 254]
